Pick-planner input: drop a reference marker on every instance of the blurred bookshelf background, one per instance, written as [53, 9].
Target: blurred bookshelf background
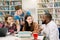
[53, 6]
[8, 6]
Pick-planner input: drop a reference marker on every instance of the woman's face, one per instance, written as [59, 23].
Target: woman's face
[10, 20]
[29, 19]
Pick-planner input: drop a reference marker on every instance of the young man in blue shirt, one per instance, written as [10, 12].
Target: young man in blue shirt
[19, 16]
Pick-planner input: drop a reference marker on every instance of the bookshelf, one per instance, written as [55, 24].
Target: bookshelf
[8, 7]
[53, 6]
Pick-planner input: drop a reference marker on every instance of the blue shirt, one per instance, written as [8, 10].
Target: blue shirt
[17, 17]
[28, 13]
[22, 15]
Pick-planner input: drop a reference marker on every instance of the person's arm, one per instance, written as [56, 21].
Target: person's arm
[36, 28]
[22, 22]
[43, 26]
[18, 25]
[23, 29]
[17, 18]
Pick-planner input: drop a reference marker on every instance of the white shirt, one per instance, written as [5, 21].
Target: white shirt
[51, 31]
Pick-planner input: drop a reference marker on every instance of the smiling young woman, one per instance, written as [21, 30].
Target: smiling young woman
[30, 25]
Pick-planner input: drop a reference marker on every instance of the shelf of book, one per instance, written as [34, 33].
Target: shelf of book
[9, 5]
[52, 6]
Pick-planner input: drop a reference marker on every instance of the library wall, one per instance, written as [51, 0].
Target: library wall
[31, 6]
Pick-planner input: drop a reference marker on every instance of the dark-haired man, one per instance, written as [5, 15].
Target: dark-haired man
[50, 30]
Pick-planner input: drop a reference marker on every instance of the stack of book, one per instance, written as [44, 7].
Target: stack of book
[24, 34]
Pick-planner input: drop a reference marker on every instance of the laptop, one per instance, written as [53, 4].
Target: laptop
[3, 32]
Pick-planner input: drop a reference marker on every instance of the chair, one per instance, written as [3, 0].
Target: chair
[59, 32]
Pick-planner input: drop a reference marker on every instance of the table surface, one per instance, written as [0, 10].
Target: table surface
[10, 37]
